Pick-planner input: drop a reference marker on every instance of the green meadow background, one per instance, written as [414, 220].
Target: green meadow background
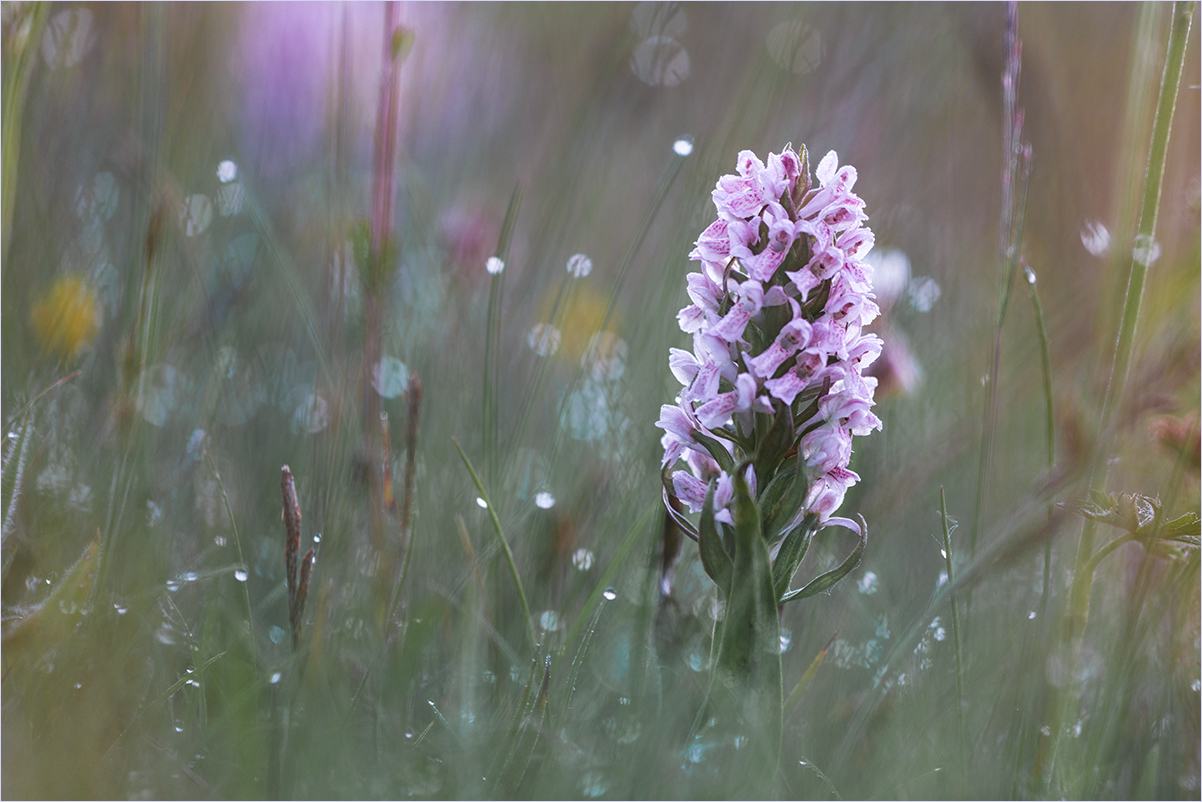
[187, 208]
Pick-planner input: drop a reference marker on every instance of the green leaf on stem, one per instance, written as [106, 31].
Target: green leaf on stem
[828, 580]
[714, 558]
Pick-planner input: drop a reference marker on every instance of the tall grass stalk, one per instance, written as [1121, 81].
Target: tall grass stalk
[496, 524]
[1049, 412]
[492, 340]
[19, 60]
[1016, 167]
[951, 580]
[229, 511]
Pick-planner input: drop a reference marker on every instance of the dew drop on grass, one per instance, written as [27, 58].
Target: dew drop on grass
[390, 377]
[79, 686]
[276, 634]
[195, 214]
[1146, 250]
[219, 541]
[579, 265]
[191, 576]
[544, 500]
[120, 609]
[582, 559]
[683, 146]
[543, 339]
[924, 291]
[240, 574]
[317, 538]
[1030, 274]
[786, 640]
[549, 621]
[1031, 616]
[179, 726]
[1196, 686]
[592, 785]
[660, 61]
[227, 171]
[481, 503]
[1095, 237]
[609, 594]
[31, 583]
[164, 635]
[868, 583]
[696, 661]
[408, 735]
[494, 265]
[275, 678]
[173, 585]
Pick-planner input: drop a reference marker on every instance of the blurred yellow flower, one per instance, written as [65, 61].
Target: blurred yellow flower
[67, 317]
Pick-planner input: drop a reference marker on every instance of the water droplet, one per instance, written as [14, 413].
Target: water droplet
[622, 700]
[275, 678]
[218, 541]
[543, 339]
[683, 146]
[173, 585]
[609, 594]
[79, 686]
[1030, 274]
[276, 634]
[121, 610]
[544, 500]
[240, 574]
[408, 735]
[924, 291]
[695, 660]
[229, 199]
[549, 621]
[660, 61]
[740, 741]
[1196, 686]
[191, 576]
[605, 356]
[154, 513]
[193, 683]
[579, 265]
[390, 377]
[1146, 250]
[582, 559]
[31, 583]
[1096, 238]
[162, 390]
[868, 583]
[489, 677]
[593, 785]
[227, 171]
[494, 265]
[67, 38]
[795, 46]
[312, 415]
[481, 503]
[786, 640]
[164, 635]
[317, 538]
[1031, 616]
[1076, 730]
[195, 214]
[179, 726]
[940, 633]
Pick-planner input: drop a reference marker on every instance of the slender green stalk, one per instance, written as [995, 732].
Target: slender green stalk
[229, 511]
[492, 339]
[20, 57]
[951, 580]
[1045, 358]
[496, 524]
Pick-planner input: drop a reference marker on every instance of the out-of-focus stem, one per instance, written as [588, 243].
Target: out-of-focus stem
[951, 579]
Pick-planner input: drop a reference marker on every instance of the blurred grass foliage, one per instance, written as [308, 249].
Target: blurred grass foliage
[183, 186]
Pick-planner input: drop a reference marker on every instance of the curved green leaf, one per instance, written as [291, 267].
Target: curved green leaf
[714, 558]
[828, 580]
